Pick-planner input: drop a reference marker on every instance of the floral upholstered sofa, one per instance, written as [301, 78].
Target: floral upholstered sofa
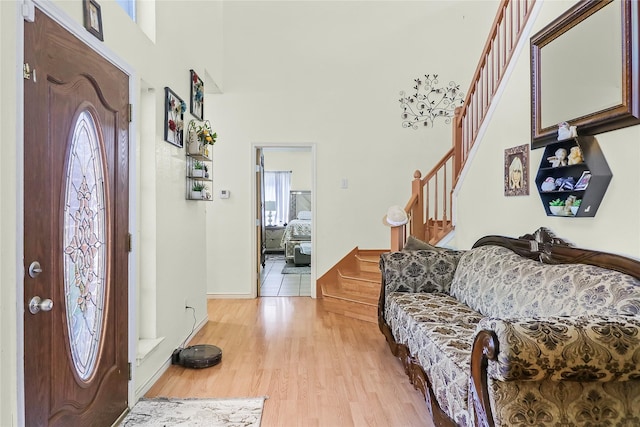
[517, 332]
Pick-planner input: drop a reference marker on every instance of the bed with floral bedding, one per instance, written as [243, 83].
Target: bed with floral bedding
[517, 332]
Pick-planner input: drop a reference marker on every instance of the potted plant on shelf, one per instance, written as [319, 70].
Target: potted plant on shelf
[556, 206]
[575, 206]
[198, 169]
[196, 190]
[206, 136]
[193, 144]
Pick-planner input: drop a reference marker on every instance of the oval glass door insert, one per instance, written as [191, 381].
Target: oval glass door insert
[85, 245]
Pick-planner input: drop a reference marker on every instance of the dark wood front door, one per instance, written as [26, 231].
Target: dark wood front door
[76, 210]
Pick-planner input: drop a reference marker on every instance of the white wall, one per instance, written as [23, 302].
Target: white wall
[296, 161]
[8, 233]
[330, 73]
[483, 209]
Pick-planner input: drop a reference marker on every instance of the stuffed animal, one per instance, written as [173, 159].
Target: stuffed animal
[560, 159]
[575, 156]
[565, 183]
[549, 184]
[565, 131]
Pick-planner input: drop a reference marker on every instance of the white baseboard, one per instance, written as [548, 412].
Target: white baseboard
[144, 388]
[230, 296]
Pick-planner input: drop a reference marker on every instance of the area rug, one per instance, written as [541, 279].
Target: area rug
[168, 412]
[292, 269]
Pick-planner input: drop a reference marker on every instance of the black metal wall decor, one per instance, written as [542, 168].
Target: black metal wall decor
[429, 102]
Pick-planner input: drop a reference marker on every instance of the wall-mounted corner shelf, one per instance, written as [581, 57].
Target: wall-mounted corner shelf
[591, 177]
[199, 175]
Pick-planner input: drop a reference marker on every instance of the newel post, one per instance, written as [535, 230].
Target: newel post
[416, 217]
[397, 238]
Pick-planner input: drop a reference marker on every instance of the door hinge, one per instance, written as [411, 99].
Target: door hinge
[130, 113]
[129, 369]
[129, 242]
[26, 71]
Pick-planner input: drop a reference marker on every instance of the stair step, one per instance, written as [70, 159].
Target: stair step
[369, 261]
[349, 304]
[338, 292]
[366, 282]
[352, 287]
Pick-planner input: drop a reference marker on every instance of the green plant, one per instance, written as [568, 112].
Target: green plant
[556, 202]
[577, 203]
[205, 134]
[198, 165]
[197, 186]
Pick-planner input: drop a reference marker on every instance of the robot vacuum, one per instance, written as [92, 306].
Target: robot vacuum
[197, 356]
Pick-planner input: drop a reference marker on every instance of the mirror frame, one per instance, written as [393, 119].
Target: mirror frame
[622, 115]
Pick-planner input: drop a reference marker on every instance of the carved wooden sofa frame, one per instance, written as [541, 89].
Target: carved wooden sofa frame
[542, 245]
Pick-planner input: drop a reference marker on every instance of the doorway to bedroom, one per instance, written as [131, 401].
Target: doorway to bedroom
[284, 197]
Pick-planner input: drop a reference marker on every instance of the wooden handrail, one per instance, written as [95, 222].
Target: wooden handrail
[503, 37]
[429, 208]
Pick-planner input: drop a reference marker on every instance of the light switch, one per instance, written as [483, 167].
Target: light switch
[224, 194]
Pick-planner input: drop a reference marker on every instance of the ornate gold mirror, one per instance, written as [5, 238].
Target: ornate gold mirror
[584, 70]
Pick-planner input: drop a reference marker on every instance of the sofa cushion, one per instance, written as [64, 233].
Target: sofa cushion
[438, 331]
[497, 282]
[582, 348]
[419, 271]
[564, 403]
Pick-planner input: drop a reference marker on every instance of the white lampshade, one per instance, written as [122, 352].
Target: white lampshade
[270, 205]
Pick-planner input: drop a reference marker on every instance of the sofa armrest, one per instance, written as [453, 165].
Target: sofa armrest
[419, 271]
[581, 348]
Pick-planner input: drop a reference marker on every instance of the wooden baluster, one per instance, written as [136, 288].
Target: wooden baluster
[417, 219]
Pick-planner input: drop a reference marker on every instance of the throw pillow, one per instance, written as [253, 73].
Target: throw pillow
[419, 270]
[415, 244]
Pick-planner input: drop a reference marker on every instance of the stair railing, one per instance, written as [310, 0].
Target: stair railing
[430, 205]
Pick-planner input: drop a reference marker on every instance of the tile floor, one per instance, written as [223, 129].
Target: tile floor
[274, 284]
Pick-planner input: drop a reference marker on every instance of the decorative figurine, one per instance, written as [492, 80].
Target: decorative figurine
[549, 184]
[567, 205]
[565, 131]
[575, 156]
[560, 159]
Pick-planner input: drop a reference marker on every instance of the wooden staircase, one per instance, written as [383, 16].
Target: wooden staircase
[430, 208]
[352, 286]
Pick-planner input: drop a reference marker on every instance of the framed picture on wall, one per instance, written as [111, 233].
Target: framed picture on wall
[93, 18]
[174, 108]
[197, 96]
[516, 171]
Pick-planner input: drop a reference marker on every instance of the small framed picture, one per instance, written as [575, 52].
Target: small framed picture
[516, 171]
[93, 18]
[197, 96]
[174, 108]
[583, 182]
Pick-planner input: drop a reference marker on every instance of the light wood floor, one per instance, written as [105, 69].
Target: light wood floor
[317, 368]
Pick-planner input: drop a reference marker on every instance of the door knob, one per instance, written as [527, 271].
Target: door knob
[38, 304]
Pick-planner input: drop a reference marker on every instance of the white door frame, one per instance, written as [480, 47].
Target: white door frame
[75, 28]
[254, 195]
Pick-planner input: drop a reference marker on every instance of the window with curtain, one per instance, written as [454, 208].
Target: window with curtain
[276, 189]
